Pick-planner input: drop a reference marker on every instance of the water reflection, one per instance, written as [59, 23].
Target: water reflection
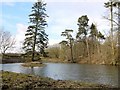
[82, 72]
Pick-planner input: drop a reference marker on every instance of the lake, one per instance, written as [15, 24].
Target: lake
[101, 74]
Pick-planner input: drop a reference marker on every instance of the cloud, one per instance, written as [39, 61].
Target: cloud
[20, 36]
[65, 17]
[57, 24]
[21, 29]
[54, 41]
[9, 3]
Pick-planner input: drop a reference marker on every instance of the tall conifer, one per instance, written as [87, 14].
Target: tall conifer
[36, 39]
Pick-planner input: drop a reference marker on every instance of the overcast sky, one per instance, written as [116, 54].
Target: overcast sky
[63, 14]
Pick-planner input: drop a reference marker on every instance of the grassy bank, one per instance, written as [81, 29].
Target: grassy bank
[18, 80]
[53, 60]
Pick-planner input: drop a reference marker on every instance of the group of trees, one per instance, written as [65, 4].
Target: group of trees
[114, 21]
[86, 43]
[90, 45]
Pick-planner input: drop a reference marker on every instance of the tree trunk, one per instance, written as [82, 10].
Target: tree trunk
[87, 46]
[112, 43]
[119, 33]
[33, 52]
[98, 46]
[2, 56]
[71, 51]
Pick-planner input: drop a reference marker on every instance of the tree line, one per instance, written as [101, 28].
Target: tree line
[89, 46]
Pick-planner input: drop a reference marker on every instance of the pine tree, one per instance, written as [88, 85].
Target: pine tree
[94, 31]
[83, 31]
[36, 39]
[96, 36]
[93, 36]
[68, 36]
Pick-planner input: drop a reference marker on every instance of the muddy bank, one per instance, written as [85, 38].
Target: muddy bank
[17, 80]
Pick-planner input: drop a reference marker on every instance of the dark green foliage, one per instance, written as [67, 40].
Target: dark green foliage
[113, 3]
[100, 35]
[36, 39]
[83, 32]
[69, 43]
[83, 26]
[93, 31]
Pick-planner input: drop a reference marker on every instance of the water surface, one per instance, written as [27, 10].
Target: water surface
[101, 74]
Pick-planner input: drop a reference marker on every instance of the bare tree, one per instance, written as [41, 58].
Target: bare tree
[6, 41]
[110, 4]
[113, 4]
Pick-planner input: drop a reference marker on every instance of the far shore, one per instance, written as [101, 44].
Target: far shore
[48, 60]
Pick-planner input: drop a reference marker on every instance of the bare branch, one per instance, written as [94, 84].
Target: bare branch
[112, 20]
[6, 41]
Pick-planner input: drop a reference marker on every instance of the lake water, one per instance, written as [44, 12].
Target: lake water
[101, 74]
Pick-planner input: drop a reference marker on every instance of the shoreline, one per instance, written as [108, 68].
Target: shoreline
[18, 80]
[62, 62]
[51, 60]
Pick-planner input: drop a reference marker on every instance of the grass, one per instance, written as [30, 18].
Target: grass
[33, 64]
[18, 80]
[54, 60]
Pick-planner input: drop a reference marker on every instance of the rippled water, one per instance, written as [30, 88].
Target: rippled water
[101, 74]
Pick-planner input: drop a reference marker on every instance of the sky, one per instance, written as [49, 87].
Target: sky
[63, 14]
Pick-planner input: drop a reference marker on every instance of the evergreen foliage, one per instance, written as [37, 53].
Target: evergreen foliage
[36, 39]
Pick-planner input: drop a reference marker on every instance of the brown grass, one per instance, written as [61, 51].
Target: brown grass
[33, 64]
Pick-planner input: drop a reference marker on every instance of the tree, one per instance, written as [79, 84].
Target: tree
[96, 36]
[70, 39]
[93, 35]
[83, 31]
[110, 4]
[36, 39]
[63, 49]
[6, 41]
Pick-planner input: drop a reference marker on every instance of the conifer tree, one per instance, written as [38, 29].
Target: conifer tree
[36, 39]
[96, 36]
[68, 36]
[83, 31]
